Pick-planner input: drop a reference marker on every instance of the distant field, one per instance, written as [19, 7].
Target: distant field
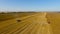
[6, 17]
[12, 15]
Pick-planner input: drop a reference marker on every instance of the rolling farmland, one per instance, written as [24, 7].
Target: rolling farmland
[31, 23]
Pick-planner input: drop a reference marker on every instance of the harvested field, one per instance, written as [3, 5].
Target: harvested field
[30, 23]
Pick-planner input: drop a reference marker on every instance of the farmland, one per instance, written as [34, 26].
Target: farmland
[7, 16]
[31, 23]
[54, 19]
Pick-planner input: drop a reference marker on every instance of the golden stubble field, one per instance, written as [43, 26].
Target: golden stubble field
[12, 15]
[31, 23]
[54, 19]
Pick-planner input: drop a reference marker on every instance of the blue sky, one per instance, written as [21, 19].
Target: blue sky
[30, 5]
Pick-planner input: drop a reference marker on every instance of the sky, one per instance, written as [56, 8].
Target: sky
[29, 5]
